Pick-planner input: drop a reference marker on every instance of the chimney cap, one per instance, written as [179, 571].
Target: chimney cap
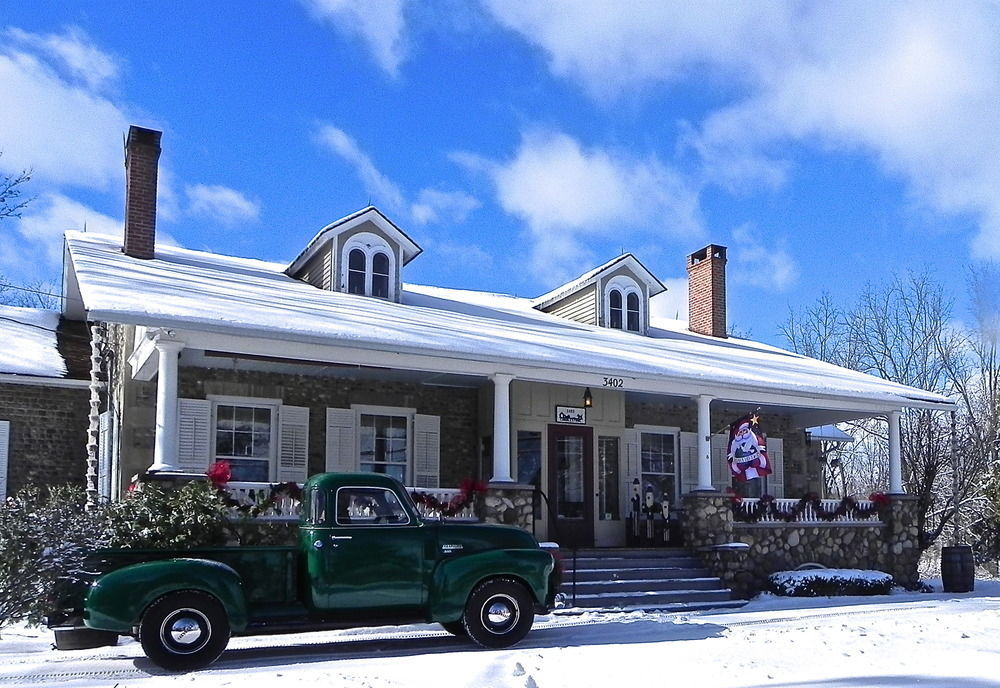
[710, 251]
[142, 136]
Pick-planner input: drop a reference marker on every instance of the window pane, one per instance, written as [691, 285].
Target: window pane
[244, 418]
[633, 312]
[380, 286]
[615, 303]
[607, 456]
[569, 490]
[529, 457]
[356, 260]
[249, 470]
[384, 445]
[380, 264]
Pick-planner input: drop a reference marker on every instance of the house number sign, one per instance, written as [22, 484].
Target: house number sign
[574, 415]
[616, 382]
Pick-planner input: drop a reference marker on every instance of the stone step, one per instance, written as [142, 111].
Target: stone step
[677, 563]
[649, 572]
[640, 585]
[660, 607]
[648, 599]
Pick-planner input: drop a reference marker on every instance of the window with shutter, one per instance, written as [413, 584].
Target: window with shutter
[293, 444]
[341, 452]
[194, 434]
[426, 450]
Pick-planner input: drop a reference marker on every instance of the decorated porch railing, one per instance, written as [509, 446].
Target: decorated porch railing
[770, 510]
[287, 508]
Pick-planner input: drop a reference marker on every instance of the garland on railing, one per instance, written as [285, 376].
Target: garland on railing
[468, 489]
[220, 473]
[765, 506]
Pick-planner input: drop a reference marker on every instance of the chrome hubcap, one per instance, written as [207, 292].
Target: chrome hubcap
[500, 614]
[185, 631]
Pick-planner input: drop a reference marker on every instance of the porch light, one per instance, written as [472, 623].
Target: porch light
[588, 398]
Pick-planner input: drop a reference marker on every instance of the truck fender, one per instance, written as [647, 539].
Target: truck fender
[454, 579]
[117, 600]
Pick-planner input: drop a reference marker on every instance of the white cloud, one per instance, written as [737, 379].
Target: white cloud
[915, 85]
[74, 53]
[673, 303]
[433, 204]
[752, 262]
[567, 194]
[379, 23]
[221, 204]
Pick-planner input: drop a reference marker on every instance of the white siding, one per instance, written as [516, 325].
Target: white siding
[776, 481]
[722, 476]
[689, 461]
[581, 306]
[293, 444]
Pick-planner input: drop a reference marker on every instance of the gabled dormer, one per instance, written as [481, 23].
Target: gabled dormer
[362, 253]
[614, 295]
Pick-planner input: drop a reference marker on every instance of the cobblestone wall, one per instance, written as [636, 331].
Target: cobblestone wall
[510, 505]
[744, 554]
[48, 427]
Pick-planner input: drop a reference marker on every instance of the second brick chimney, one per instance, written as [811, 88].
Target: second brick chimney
[707, 291]
[142, 155]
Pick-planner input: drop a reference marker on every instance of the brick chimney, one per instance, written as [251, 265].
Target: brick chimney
[707, 291]
[142, 153]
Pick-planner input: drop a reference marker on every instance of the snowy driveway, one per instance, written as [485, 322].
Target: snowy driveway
[901, 640]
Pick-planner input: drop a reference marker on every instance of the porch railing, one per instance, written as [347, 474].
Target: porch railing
[287, 509]
[809, 513]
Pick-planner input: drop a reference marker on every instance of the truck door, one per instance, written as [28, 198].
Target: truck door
[371, 558]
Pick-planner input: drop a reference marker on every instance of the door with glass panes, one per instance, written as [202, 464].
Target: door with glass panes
[571, 484]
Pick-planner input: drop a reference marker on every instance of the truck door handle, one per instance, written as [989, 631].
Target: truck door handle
[341, 537]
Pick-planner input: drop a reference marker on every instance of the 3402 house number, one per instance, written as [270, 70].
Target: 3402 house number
[614, 382]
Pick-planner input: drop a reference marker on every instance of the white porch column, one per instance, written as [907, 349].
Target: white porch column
[704, 444]
[165, 449]
[895, 461]
[501, 428]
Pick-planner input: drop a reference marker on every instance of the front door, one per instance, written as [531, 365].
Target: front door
[571, 485]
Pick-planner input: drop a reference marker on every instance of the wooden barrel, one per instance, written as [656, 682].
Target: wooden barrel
[958, 569]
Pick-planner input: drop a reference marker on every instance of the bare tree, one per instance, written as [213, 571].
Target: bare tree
[11, 188]
[37, 294]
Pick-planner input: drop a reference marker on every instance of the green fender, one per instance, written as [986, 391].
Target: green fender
[454, 579]
[116, 601]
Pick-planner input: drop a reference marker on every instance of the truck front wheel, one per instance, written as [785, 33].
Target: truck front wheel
[184, 631]
[499, 613]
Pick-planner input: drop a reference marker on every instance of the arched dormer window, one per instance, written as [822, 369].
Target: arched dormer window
[624, 308]
[368, 266]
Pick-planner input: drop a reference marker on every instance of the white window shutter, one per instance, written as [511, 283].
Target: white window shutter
[426, 451]
[776, 481]
[194, 435]
[689, 461]
[722, 474]
[293, 444]
[4, 456]
[104, 455]
[341, 452]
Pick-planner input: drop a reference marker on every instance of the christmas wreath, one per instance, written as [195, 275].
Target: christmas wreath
[765, 506]
[468, 489]
[220, 473]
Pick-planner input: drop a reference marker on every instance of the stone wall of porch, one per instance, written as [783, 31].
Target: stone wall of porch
[744, 554]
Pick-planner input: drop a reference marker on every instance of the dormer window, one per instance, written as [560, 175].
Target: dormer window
[624, 306]
[368, 266]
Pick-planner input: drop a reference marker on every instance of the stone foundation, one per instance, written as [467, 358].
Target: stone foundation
[743, 555]
[510, 504]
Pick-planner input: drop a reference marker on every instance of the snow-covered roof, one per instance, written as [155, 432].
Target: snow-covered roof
[196, 290]
[654, 285]
[28, 343]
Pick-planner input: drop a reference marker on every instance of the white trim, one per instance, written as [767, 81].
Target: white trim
[369, 244]
[14, 379]
[626, 285]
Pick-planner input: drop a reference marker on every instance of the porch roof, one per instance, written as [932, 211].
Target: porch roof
[29, 343]
[201, 291]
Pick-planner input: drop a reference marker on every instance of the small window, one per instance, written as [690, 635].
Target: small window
[316, 507]
[356, 272]
[632, 308]
[659, 476]
[243, 440]
[384, 445]
[369, 506]
[380, 275]
[615, 308]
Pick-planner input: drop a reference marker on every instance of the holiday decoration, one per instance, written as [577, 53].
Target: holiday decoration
[748, 449]
[468, 489]
[220, 474]
[753, 512]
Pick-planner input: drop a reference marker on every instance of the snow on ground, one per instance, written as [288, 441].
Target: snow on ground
[29, 342]
[905, 639]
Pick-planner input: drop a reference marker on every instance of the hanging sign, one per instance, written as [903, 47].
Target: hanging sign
[574, 415]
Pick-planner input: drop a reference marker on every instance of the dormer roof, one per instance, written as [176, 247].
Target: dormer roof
[370, 214]
[627, 260]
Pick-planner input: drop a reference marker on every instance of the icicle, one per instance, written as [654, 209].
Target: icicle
[93, 430]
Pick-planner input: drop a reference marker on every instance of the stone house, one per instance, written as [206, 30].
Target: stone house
[44, 399]
[589, 418]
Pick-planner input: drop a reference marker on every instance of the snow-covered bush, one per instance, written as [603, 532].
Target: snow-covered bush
[45, 536]
[823, 582]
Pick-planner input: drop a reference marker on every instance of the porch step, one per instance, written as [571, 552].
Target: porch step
[664, 578]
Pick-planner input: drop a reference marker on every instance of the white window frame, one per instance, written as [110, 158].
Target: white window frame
[371, 410]
[253, 402]
[369, 244]
[626, 285]
[662, 430]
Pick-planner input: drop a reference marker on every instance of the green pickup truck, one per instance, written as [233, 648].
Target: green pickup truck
[364, 557]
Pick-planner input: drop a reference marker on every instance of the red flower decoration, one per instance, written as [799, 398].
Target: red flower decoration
[219, 473]
[879, 498]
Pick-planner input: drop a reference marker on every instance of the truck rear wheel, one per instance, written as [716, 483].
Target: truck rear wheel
[184, 631]
[499, 613]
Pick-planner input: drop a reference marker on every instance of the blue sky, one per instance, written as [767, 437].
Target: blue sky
[520, 144]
